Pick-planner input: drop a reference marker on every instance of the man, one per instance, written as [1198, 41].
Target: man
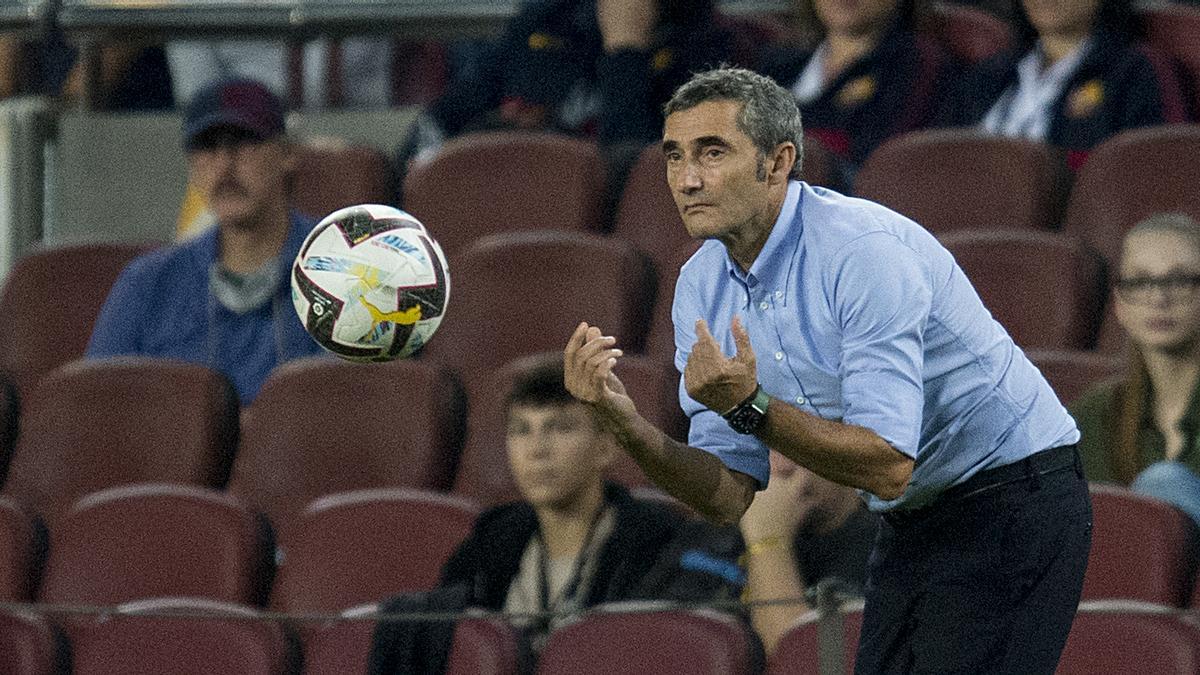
[573, 542]
[222, 299]
[883, 372]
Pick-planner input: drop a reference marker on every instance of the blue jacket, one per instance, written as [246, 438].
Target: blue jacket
[161, 306]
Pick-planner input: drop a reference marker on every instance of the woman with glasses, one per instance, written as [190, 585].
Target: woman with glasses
[1141, 430]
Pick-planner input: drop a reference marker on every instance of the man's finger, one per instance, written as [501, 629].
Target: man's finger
[576, 341]
[741, 340]
[591, 347]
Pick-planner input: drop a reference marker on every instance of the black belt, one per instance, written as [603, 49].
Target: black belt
[1038, 464]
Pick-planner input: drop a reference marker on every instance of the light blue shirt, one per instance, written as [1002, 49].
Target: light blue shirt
[857, 314]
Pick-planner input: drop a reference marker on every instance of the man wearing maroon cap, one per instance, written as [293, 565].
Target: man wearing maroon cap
[222, 299]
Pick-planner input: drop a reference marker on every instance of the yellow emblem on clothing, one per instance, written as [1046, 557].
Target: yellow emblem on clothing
[856, 91]
[1084, 100]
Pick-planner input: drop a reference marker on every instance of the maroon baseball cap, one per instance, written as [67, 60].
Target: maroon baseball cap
[241, 104]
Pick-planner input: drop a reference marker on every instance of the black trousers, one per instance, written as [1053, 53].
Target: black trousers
[986, 579]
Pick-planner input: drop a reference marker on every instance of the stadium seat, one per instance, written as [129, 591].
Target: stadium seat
[661, 340]
[362, 546]
[971, 34]
[525, 292]
[1045, 288]
[1125, 180]
[322, 425]
[1113, 642]
[30, 645]
[151, 540]
[484, 473]
[9, 411]
[96, 424]
[49, 302]
[340, 647]
[22, 543]
[1195, 602]
[484, 646]
[1070, 372]
[1174, 29]
[957, 179]
[1142, 549]
[798, 650]
[626, 638]
[331, 174]
[486, 183]
[174, 635]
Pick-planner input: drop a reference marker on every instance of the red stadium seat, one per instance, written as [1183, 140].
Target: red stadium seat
[484, 646]
[358, 547]
[639, 641]
[971, 34]
[29, 645]
[21, 543]
[49, 302]
[798, 650]
[661, 341]
[145, 541]
[957, 179]
[547, 181]
[322, 425]
[1124, 181]
[1142, 549]
[1046, 289]
[1070, 372]
[97, 424]
[331, 174]
[1174, 29]
[340, 647]
[1113, 642]
[174, 635]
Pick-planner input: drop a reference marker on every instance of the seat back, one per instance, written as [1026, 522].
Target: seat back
[97, 424]
[484, 646]
[661, 340]
[357, 547]
[1046, 289]
[321, 426]
[487, 183]
[1174, 29]
[9, 412]
[342, 646]
[49, 302]
[971, 34]
[21, 546]
[956, 179]
[1071, 372]
[1130, 643]
[798, 650]
[331, 174]
[151, 540]
[29, 645]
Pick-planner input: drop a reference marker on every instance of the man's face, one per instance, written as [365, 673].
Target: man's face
[556, 452]
[241, 177]
[714, 170]
[854, 17]
[1061, 16]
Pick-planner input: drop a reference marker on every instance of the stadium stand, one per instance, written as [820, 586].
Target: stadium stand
[661, 338]
[1130, 643]
[483, 646]
[1174, 29]
[322, 426]
[331, 174]
[492, 182]
[9, 413]
[21, 546]
[954, 179]
[797, 651]
[969, 33]
[1070, 372]
[30, 645]
[96, 424]
[339, 647]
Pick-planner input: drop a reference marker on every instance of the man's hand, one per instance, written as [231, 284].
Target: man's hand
[588, 361]
[626, 24]
[791, 498]
[716, 381]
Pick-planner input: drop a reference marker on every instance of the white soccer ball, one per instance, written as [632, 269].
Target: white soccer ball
[370, 283]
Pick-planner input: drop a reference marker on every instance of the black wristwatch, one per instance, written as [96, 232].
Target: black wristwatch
[747, 417]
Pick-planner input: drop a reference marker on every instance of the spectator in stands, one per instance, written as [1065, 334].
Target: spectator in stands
[1141, 430]
[598, 68]
[574, 541]
[870, 76]
[800, 531]
[222, 299]
[1078, 75]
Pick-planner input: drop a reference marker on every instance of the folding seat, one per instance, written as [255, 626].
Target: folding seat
[799, 650]
[626, 638]
[96, 424]
[1174, 29]
[49, 302]
[1045, 288]
[484, 473]
[1130, 176]
[22, 542]
[661, 340]
[1130, 643]
[363, 546]
[323, 425]
[29, 645]
[343, 646]
[182, 635]
[1142, 549]
[971, 34]
[955, 179]
[151, 540]
[331, 174]
[484, 646]
[486, 183]
[1070, 372]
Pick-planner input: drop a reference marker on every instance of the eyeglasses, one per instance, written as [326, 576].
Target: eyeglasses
[1144, 290]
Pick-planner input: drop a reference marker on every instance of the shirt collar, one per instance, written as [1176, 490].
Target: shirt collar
[774, 260]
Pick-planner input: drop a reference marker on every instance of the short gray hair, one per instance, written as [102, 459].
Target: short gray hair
[769, 114]
[1167, 221]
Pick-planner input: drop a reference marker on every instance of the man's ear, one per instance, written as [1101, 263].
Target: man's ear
[782, 160]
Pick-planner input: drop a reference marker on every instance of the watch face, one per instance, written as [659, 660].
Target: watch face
[746, 419]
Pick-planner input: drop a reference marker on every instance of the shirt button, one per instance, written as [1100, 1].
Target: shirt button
[779, 294]
[763, 305]
[801, 400]
[778, 356]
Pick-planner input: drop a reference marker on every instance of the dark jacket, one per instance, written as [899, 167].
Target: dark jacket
[900, 86]
[1120, 84]
[653, 553]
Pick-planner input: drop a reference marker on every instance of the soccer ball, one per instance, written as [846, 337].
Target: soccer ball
[370, 283]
